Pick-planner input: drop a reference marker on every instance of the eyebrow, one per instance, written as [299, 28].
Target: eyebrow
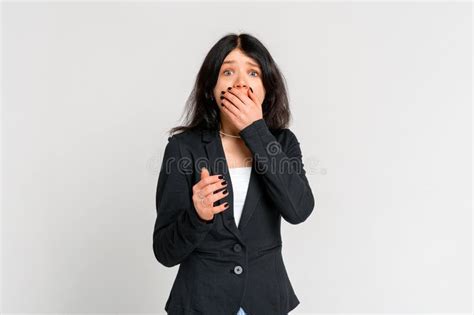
[248, 62]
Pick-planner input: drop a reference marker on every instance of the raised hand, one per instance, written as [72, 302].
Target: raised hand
[242, 108]
[204, 195]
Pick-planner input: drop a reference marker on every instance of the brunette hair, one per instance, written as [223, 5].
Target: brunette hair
[201, 109]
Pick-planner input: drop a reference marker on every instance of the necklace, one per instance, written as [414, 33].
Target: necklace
[225, 134]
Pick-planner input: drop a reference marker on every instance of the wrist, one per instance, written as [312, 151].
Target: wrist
[205, 221]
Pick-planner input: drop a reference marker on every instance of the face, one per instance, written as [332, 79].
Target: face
[241, 72]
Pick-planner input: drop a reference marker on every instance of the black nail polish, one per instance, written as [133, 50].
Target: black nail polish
[226, 204]
[228, 89]
[222, 104]
[220, 177]
[224, 182]
[222, 92]
[251, 89]
[225, 191]
[222, 97]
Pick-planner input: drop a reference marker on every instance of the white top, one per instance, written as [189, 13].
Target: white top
[240, 177]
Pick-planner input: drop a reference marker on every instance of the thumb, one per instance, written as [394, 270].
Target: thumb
[204, 172]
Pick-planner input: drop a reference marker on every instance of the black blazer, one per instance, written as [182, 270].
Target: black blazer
[221, 266]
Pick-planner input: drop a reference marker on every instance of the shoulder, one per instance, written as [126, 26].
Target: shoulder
[183, 144]
[186, 137]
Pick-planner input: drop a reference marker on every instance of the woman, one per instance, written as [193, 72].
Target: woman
[227, 178]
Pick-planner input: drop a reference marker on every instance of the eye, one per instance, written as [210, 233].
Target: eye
[252, 73]
[256, 73]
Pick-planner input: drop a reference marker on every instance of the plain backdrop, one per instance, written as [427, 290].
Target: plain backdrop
[381, 100]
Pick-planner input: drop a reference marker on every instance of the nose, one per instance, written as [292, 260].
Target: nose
[240, 82]
[240, 86]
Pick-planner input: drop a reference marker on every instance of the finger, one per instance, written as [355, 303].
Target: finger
[201, 202]
[233, 99]
[212, 188]
[230, 108]
[233, 113]
[206, 202]
[226, 101]
[220, 208]
[222, 194]
[226, 112]
[237, 95]
[204, 172]
[206, 181]
[252, 96]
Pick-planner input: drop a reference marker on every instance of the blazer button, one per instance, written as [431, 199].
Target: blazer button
[237, 248]
[238, 270]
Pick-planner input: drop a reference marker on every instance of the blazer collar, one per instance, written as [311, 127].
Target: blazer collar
[218, 165]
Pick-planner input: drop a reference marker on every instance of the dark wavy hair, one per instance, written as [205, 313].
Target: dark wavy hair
[201, 110]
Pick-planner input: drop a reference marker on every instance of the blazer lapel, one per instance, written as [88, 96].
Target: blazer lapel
[218, 165]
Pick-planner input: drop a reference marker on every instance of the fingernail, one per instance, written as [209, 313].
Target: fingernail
[222, 92]
[226, 204]
[225, 191]
[222, 97]
[223, 183]
[222, 104]
[228, 89]
[220, 177]
[251, 89]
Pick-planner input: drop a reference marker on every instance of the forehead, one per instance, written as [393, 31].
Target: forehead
[236, 57]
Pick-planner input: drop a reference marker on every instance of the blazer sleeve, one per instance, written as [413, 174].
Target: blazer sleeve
[178, 228]
[282, 172]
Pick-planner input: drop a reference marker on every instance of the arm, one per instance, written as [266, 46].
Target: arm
[178, 227]
[283, 173]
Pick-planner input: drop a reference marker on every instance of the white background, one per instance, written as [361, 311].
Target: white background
[381, 99]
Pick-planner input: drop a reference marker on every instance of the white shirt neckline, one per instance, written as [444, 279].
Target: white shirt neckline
[240, 177]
